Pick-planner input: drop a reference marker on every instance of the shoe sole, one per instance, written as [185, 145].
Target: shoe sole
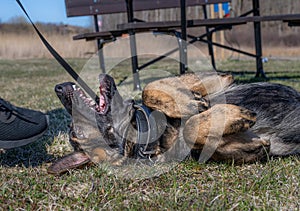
[7, 144]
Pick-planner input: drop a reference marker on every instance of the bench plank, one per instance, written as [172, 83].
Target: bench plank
[156, 26]
[98, 7]
[106, 35]
[172, 25]
[144, 26]
[141, 26]
[285, 17]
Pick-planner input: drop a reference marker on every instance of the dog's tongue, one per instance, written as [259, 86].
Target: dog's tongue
[102, 100]
[102, 103]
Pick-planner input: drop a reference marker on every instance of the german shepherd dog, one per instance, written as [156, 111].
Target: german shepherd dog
[218, 120]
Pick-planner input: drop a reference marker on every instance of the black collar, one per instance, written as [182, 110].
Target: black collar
[147, 133]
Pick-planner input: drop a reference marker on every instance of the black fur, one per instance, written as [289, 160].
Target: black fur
[278, 111]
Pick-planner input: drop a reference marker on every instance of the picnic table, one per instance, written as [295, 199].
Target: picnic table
[132, 26]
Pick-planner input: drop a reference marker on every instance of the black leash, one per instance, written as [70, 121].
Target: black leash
[146, 137]
[61, 61]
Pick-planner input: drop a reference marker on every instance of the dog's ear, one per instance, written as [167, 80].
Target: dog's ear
[122, 114]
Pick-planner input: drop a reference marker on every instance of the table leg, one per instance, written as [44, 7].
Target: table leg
[183, 49]
[100, 46]
[132, 40]
[257, 36]
[209, 39]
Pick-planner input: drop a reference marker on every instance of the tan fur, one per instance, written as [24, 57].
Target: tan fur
[224, 128]
[206, 83]
[181, 97]
[242, 147]
[98, 154]
[168, 139]
[169, 101]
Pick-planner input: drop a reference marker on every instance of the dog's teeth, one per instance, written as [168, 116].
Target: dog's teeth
[74, 87]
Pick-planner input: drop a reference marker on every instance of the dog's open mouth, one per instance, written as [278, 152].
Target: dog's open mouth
[66, 91]
[99, 108]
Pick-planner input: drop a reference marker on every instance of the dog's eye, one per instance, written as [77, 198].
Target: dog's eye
[73, 134]
[110, 129]
[79, 132]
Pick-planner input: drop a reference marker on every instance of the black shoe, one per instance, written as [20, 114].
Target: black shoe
[20, 126]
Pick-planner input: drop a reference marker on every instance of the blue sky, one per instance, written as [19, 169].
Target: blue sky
[48, 11]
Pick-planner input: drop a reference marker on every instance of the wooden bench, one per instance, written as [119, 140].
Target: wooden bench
[94, 8]
[132, 26]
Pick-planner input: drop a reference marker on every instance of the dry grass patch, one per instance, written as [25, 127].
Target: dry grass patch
[28, 45]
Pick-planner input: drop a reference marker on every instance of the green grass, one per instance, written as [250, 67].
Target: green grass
[25, 183]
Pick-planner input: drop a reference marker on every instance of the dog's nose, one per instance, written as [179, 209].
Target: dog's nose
[59, 88]
[64, 87]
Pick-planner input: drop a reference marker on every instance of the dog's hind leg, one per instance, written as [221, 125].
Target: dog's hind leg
[223, 132]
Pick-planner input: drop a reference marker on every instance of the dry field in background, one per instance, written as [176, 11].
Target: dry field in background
[28, 45]
[23, 46]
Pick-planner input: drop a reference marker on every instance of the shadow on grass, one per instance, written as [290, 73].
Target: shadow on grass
[35, 154]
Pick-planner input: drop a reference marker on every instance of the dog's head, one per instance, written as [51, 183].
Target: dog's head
[111, 114]
[95, 125]
[107, 90]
